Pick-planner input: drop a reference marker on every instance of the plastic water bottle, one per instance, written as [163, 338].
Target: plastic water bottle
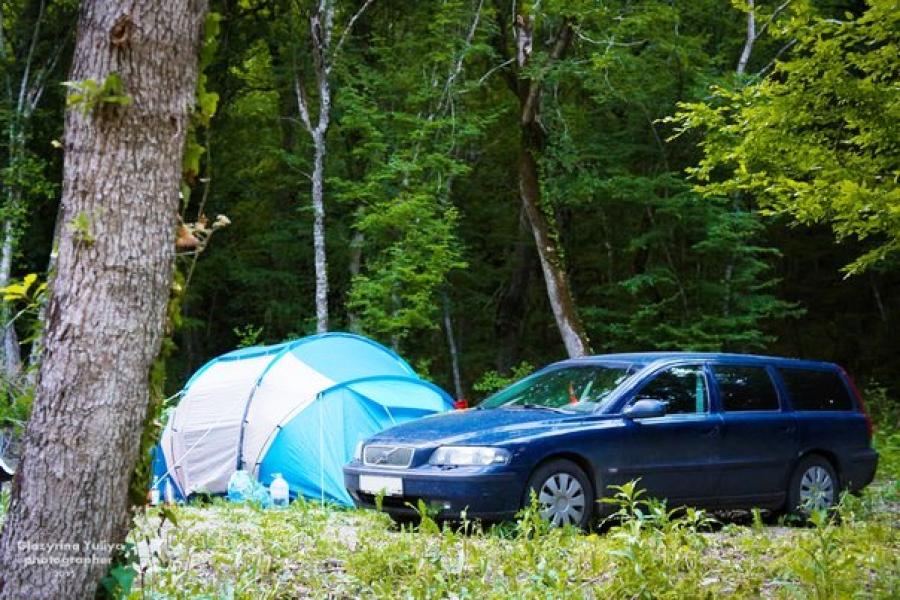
[240, 486]
[279, 490]
[154, 495]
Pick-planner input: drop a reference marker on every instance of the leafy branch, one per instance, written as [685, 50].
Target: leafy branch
[87, 95]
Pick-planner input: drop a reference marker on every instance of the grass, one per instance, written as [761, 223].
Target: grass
[239, 551]
[224, 550]
[228, 551]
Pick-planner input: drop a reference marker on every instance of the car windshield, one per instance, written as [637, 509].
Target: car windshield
[582, 388]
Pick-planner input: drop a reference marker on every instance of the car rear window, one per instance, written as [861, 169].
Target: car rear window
[816, 390]
[745, 388]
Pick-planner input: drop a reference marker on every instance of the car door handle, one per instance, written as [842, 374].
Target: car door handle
[711, 432]
[787, 429]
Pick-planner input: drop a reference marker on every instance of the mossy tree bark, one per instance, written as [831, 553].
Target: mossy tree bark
[105, 317]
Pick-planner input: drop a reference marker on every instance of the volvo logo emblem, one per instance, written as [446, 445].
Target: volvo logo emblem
[384, 456]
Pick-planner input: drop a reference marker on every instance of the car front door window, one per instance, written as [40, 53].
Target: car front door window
[683, 390]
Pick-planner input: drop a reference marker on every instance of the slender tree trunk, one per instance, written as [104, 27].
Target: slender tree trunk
[559, 291]
[11, 353]
[34, 356]
[741, 68]
[454, 350]
[749, 40]
[321, 259]
[321, 27]
[12, 361]
[106, 314]
[512, 308]
[355, 266]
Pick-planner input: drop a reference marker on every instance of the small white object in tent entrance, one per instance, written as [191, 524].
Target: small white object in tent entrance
[297, 408]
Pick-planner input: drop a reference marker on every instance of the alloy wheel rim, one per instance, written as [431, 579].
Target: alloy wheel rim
[816, 488]
[561, 499]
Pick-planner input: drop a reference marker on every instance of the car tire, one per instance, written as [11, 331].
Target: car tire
[814, 484]
[564, 494]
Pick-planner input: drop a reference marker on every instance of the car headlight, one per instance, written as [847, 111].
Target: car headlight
[357, 452]
[460, 456]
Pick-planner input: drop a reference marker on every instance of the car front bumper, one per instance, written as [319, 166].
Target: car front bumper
[483, 493]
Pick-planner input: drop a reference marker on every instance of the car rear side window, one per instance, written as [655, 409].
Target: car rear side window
[816, 390]
[745, 388]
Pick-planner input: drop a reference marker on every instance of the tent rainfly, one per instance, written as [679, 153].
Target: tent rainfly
[297, 408]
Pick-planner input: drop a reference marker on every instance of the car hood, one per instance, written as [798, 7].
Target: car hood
[481, 427]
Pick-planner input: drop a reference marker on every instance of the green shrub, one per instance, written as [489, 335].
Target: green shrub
[888, 445]
[882, 407]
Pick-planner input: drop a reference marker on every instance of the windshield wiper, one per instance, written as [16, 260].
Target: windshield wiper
[539, 406]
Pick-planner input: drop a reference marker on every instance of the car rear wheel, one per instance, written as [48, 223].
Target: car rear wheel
[814, 486]
[564, 494]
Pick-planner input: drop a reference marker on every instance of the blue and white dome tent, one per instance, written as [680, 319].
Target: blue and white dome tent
[297, 408]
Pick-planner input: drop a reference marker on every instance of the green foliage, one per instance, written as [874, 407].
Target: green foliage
[27, 174]
[881, 406]
[396, 293]
[816, 138]
[82, 226]
[409, 132]
[26, 291]
[649, 552]
[15, 406]
[206, 102]
[887, 442]
[247, 336]
[422, 193]
[117, 584]
[492, 381]
[25, 298]
[88, 95]
[421, 181]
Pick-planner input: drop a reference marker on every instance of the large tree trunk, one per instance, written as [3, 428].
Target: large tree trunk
[105, 317]
[559, 292]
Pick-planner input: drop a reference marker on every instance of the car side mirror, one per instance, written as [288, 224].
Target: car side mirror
[645, 409]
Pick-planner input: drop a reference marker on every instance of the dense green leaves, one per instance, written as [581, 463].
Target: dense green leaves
[661, 234]
[817, 138]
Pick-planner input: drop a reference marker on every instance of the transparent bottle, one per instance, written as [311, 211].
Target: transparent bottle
[279, 491]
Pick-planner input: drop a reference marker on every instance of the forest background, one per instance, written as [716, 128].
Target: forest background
[699, 175]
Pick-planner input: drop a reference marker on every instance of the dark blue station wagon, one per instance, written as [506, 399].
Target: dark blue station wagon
[719, 431]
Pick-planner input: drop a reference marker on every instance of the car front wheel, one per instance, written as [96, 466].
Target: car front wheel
[564, 494]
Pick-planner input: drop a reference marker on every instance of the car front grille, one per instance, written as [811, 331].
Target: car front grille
[398, 457]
